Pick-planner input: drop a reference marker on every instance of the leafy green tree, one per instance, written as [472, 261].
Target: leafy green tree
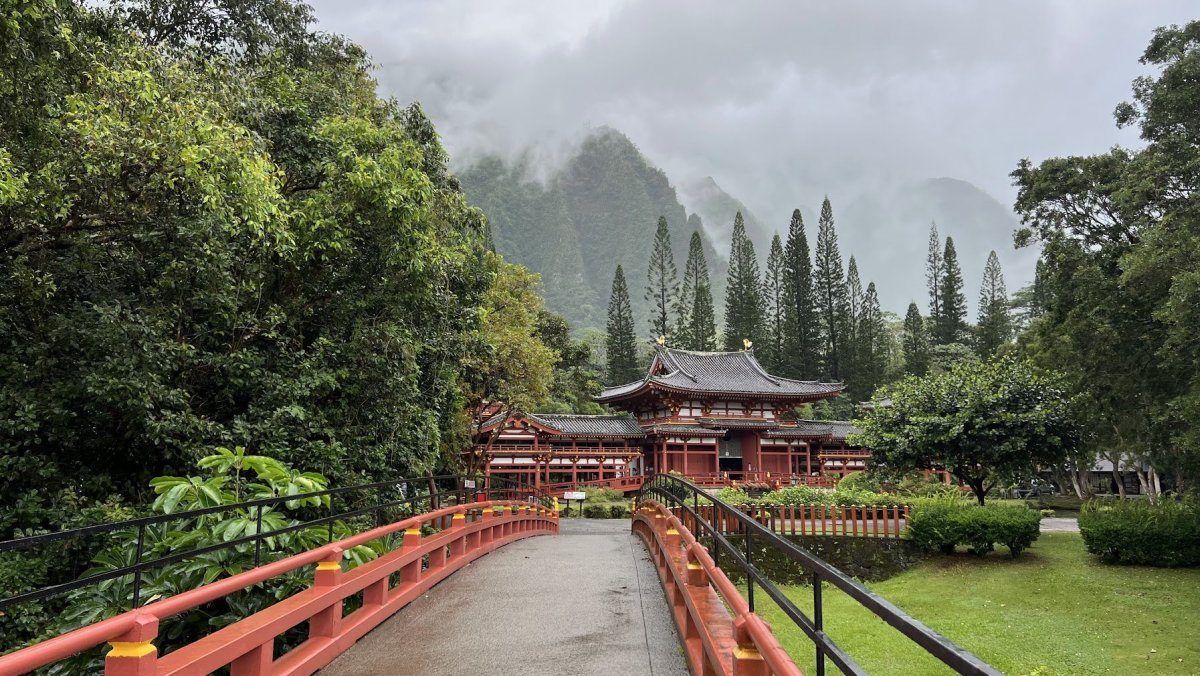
[576, 375]
[935, 270]
[801, 333]
[213, 232]
[1119, 250]
[829, 290]
[951, 324]
[228, 477]
[704, 320]
[743, 293]
[915, 342]
[773, 289]
[621, 343]
[662, 287]
[995, 323]
[987, 423]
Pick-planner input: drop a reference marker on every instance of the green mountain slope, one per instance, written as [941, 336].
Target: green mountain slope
[599, 210]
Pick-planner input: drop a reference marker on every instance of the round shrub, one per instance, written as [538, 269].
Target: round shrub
[944, 524]
[1136, 532]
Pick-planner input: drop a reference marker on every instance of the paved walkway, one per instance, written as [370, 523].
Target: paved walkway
[1058, 524]
[587, 601]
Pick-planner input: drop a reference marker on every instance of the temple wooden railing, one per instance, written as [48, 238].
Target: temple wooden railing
[853, 520]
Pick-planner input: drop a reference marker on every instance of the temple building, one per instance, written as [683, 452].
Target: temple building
[716, 417]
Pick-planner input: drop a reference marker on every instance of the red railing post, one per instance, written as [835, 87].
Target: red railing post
[459, 545]
[411, 573]
[257, 662]
[327, 623]
[747, 661]
[133, 653]
[488, 516]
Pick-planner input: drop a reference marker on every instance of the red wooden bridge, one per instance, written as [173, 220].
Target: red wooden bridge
[545, 590]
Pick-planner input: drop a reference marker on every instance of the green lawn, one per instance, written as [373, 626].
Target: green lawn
[1056, 610]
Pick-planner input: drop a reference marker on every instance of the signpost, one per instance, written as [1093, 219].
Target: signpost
[575, 495]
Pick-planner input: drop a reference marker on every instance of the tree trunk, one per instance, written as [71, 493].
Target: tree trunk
[1116, 473]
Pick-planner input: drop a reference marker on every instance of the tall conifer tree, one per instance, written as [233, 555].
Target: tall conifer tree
[743, 291]
[801, 334]
[854, 346]
[662, 282]
[829, 285]
[951, 325]
[995, 323]
[620, 342]
[695, 332]
[872, 342]
[934, 271]
[773, 285]
[916, 342]
[703, 327]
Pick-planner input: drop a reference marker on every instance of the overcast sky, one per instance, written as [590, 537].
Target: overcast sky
[781, 102]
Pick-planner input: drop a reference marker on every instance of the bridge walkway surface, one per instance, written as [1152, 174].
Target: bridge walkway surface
[587, 601]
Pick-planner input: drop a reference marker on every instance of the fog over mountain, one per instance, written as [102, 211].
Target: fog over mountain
[902, 113]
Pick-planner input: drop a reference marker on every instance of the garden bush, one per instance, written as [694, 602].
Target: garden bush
[602, 495]
[1136, 532]
[944, 524]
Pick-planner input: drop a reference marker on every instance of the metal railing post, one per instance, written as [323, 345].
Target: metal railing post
[137, 561]
[258, 537]
[818, 622]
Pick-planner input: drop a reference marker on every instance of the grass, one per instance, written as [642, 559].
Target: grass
[1055, 610]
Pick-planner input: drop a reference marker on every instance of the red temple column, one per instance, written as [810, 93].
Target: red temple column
[685, 453]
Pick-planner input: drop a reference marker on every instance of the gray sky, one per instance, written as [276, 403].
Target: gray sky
[781, 102]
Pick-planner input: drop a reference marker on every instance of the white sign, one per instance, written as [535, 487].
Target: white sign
[468, 483]
[574, 495]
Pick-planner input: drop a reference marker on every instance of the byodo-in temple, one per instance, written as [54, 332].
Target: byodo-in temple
[715, 417]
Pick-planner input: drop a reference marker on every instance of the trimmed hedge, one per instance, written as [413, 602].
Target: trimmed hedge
[593, 510]
[945, 524]
[1136, 532]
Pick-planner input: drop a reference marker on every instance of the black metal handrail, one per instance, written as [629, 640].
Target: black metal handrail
[684, 497]
[493, 488]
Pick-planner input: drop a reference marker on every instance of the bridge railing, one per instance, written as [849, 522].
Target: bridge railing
[386, 584]
[313, 515]
[359, 500]
[731, 537]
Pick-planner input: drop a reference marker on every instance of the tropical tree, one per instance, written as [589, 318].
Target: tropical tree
[987, 423]
[873, 344]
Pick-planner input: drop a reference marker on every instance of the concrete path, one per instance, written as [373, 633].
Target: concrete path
[587, 601]
[1058, 524]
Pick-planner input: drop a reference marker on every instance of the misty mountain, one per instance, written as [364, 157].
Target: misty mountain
[888, 231]
[717, 208]
[598, 210]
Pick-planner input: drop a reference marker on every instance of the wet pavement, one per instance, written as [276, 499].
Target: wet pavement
[587, 601]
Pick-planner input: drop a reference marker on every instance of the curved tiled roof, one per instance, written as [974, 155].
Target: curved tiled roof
[591, 425]
[572, 425]
[736, 373]
[824, 429]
